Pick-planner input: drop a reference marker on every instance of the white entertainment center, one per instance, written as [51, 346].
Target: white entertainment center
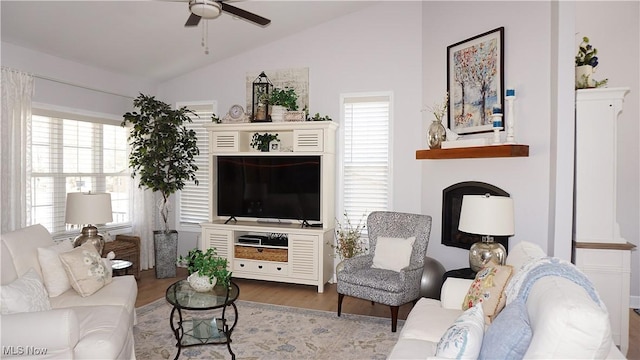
[271, 249]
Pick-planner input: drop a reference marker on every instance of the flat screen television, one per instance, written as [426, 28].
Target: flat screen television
[274, 187]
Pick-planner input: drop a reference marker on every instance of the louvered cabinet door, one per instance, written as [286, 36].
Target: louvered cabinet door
[308, 140]
[224, 141]
[221, 240]
[303, 256]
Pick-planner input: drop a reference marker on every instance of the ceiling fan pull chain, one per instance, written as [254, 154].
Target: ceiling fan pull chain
[205, 37]
[202, 41]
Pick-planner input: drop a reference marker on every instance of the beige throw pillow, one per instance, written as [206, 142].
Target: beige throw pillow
[53, 274]
[86, 270]
[393, 253]
[488, 289]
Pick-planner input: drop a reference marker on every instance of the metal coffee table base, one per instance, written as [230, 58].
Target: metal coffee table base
[208, 320]
[194, 332]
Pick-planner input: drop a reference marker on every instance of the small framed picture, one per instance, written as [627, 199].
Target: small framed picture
[274, 146]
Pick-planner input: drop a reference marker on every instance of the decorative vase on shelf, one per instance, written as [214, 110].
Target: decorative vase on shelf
[436, 134]
[584, 77]
[277, 113]
[201, 283]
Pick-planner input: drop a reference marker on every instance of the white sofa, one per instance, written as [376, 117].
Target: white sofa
[98, 326]
[564, 322]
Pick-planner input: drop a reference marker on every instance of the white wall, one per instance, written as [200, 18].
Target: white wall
[527, 70]
[614, 29]
[377, 49]
[63, 95]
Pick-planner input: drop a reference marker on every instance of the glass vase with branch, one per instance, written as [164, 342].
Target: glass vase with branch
[349, 241]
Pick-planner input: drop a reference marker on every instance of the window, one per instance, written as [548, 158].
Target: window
[194, 199]
[365, 171]
[76, 153]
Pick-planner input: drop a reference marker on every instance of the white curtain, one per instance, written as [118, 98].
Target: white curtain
[17, 94]
[144, 215]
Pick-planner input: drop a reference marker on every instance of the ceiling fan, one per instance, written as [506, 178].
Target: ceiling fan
[211, 9]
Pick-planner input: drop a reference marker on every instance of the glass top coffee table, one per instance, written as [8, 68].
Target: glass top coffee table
[212, 327]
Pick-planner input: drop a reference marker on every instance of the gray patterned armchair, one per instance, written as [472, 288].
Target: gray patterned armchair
[359, 279]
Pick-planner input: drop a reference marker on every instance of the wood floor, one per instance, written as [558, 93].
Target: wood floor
[303, 296]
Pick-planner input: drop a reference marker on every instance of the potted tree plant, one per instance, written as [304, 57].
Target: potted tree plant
[162, 156]
[282, 100]
[206, 268]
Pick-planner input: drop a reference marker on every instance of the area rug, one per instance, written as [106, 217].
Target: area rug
[266, 331]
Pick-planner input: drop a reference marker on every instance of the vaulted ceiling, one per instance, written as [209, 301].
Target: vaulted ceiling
[148, 38]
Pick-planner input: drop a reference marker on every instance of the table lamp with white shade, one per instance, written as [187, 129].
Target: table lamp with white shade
[488, 216]
[86, 209]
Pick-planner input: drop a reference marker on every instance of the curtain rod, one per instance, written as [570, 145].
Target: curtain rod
[42, 77]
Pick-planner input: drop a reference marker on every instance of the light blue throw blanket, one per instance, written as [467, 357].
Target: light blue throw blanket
[520, 286]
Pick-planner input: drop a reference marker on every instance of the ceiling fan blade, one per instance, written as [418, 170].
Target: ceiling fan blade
[193, 20]
[244, 14]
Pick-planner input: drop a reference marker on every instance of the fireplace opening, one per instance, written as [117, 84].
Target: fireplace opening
[451, 205]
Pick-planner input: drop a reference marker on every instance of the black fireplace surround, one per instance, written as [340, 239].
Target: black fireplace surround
[451, 205]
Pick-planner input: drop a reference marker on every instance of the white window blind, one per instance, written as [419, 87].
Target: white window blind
[194, 199]
[365, 155]
[70, 153]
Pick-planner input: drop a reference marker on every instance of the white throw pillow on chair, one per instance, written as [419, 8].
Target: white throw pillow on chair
[393, 253]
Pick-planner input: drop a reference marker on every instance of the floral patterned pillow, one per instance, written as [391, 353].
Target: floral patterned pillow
[488, 289]
[463, 339]
[86, 270]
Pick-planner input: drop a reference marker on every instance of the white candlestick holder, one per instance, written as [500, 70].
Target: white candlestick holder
[496, 119]
[511, 119]
[496, 135]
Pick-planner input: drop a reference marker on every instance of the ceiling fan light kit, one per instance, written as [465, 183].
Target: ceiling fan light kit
[206, 9]
[211, 9]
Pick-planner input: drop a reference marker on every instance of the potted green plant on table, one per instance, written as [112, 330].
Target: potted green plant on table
[586, 62]
[282, 100]
[206, 268]
[162, 156]
[261, 141]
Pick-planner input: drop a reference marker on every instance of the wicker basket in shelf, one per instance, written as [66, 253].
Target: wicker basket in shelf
[260, 253]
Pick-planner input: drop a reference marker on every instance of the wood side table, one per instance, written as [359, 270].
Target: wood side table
[126, 247]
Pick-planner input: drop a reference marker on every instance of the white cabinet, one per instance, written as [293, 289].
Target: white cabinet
[307, 256]
[308, 252]
[600, 251]
[296, 137]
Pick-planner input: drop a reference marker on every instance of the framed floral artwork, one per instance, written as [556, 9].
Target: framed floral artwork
[475, 81]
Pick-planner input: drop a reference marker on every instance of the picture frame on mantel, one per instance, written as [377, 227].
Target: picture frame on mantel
[475, 81]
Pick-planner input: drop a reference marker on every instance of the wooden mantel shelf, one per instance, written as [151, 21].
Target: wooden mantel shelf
[491, 151]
